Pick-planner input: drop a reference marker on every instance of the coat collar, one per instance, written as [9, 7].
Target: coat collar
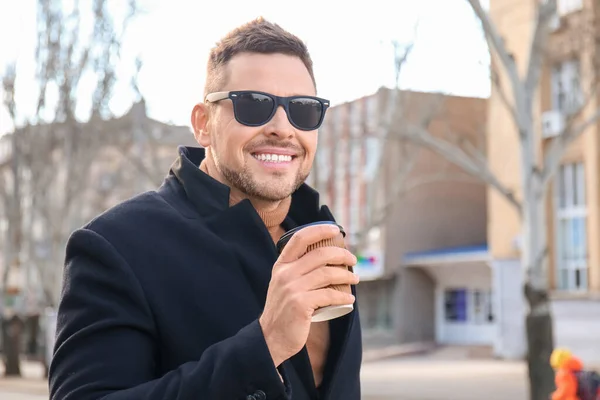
[210, 196]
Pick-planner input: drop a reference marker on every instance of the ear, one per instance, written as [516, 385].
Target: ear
[200, 124]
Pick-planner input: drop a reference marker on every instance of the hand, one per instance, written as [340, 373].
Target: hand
[299, 286]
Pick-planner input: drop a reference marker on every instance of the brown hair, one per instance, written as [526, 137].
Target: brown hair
[257, 36]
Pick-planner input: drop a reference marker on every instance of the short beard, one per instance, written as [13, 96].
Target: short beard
[244, 182]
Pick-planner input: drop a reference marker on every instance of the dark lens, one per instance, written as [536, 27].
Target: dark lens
[306, 112]
[253, 108]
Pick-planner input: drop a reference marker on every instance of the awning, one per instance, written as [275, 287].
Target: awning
[451, 255]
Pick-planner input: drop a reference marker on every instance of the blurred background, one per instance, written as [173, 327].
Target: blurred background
[461, 154]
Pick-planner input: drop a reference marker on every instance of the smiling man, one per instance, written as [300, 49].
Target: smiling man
[180, 293]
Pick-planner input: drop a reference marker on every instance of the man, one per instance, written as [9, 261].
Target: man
[180, 293]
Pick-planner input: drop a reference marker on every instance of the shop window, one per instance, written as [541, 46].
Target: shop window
[463, 305]
[456, 305]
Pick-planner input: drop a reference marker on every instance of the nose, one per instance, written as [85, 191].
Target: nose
[280, 126]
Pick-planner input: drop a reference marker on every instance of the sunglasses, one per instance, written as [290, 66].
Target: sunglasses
[252, 108]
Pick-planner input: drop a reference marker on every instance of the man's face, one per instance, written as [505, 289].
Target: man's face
[242, 153]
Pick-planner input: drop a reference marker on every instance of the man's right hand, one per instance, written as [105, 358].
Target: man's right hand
[299, 286]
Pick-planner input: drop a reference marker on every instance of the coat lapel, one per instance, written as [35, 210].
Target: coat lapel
[244, 232]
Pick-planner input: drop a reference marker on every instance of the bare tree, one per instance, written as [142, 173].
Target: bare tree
[11, 190]
[536, 173]
[48, 165]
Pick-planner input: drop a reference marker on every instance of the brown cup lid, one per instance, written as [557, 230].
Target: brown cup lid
[285, 238]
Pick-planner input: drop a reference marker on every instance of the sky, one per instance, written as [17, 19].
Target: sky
[350, 43]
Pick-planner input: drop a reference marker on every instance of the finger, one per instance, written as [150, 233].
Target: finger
[300, 241]
[323, 256]
[328, 297]
[327, 276]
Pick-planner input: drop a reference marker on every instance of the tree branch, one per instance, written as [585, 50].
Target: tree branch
[478, 156]
[457, 156]
[545, 11]
[496, 41]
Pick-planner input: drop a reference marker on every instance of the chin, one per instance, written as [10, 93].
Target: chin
[272, 194]
[274, 190]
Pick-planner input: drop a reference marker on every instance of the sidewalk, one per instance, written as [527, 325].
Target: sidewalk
[398, 350]
[379, 345]
[445, 374]
[21, 396]
[32, 382]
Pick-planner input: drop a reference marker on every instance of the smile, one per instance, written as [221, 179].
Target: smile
[273, 158]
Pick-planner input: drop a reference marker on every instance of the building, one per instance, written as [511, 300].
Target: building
[432, 239]
[573, 204]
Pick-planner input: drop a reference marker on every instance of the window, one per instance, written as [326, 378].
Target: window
[571, 213]
[566, 87]
[482, 307]
[468, 306]
[568, 6]
[455, 305]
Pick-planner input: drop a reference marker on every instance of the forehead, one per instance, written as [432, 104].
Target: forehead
[278, 74]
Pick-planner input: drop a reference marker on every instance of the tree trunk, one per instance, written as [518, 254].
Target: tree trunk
[540, 343]
[12, 330]
[540, 338]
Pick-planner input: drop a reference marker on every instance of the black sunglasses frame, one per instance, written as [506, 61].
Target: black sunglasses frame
[277, 101]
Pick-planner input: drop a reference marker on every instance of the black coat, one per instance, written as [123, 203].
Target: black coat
[162, 296]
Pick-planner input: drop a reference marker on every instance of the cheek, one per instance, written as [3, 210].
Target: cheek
[234, 139]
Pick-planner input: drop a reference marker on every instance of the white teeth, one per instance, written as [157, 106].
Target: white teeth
[273, 157]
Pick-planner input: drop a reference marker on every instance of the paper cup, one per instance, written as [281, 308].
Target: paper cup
[330, 312]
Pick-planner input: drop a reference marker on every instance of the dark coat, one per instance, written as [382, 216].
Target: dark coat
[162, 296]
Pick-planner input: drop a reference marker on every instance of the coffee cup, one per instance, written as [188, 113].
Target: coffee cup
[329, 312]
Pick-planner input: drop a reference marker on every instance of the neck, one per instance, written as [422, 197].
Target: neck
[271, 213]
